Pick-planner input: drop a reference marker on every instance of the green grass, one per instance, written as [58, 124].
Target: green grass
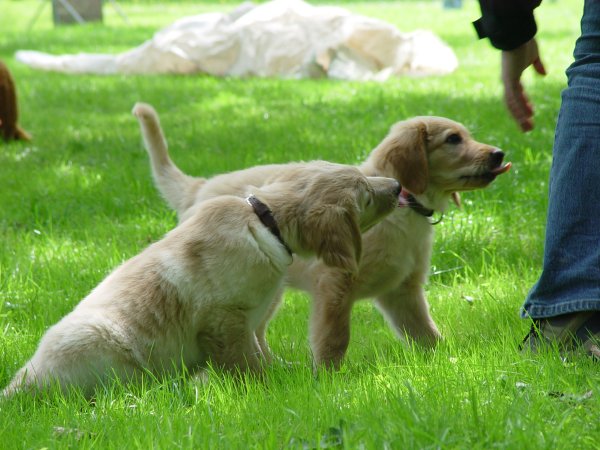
[79, 199]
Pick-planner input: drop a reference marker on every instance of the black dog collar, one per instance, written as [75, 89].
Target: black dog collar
[417, 207]
[266, 217]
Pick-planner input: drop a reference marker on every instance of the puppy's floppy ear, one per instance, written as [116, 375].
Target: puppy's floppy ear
[333, 233]
[405, 151]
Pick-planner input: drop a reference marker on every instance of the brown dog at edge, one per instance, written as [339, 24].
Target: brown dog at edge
[9, 112]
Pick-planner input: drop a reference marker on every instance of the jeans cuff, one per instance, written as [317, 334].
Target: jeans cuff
[544, 310]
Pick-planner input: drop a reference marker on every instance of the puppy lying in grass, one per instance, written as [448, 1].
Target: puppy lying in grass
[200, 293]
[9, 113]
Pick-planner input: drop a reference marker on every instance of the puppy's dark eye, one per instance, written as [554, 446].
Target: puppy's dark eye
[453, 139]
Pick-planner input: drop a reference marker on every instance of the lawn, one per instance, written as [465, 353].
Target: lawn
[79, 199]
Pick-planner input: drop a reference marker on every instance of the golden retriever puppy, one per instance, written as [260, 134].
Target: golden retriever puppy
[201, 292]
[433, 158]
[9, 129]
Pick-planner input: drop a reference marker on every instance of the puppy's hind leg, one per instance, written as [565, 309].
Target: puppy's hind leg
[177, 188]
[261, 331]
[231, 345]
[24, 380]
[407, 311]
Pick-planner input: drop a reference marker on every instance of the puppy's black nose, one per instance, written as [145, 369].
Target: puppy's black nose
[397, 189]
[496, 157]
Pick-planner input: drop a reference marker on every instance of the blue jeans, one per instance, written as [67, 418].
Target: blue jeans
[570, 279]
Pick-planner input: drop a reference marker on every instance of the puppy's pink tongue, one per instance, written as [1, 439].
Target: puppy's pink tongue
[502, 169]
[403, 198]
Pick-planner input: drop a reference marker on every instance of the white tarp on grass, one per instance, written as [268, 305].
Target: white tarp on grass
[281, 38]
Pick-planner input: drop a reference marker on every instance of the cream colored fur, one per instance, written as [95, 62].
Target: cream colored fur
[433, 158]
[203, 292]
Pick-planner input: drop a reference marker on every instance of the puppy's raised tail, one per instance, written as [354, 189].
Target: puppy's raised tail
[176, 187]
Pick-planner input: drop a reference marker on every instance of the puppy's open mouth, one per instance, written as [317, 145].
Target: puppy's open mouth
[489, 175]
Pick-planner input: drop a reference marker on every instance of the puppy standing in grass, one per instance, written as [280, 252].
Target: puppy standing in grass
[9, 113]
[434, 159]
[201, 292]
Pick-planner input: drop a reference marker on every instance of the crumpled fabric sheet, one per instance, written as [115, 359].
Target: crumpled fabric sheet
[281, 38]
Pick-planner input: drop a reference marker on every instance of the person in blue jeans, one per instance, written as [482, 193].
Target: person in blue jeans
[564, 304]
